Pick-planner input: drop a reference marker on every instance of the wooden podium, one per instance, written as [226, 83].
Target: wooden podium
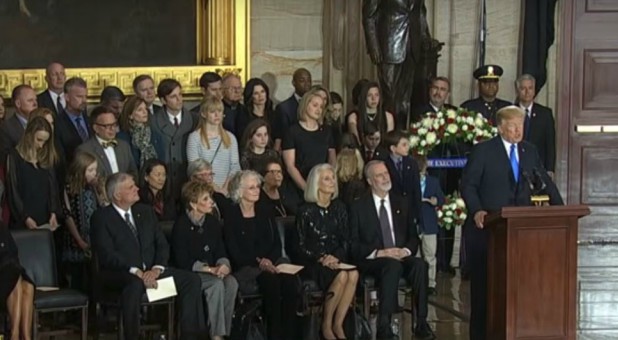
[532, 272]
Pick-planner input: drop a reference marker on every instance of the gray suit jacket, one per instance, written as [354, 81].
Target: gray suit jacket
[11, 131]
[124, 157]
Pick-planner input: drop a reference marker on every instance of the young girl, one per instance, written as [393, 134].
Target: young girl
[213, 143]
[256, 145]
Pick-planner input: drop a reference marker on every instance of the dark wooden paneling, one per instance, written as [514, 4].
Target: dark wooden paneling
[599, 178]
[599, 83]
[548, 278]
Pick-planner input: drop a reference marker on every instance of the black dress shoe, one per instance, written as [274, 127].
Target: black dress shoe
[432, 291]
[423, 331]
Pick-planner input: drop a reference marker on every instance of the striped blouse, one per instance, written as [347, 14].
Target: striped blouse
[225, 161]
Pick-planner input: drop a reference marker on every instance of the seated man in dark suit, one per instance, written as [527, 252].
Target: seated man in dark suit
[53, 97]
[286, 113]
[113, 155]
[496, 176]
[439, 91]
[72, 128]
[133, 255]
[384, 240]
[12, 129]
[144, 87]
[539, 125]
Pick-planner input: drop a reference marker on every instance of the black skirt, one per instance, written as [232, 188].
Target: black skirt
[323, 276]
[11, 272]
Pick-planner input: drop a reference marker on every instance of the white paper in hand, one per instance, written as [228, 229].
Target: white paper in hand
[165, 288]
[286, 268]
[345, 266]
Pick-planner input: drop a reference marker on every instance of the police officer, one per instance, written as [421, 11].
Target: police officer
[488, 77]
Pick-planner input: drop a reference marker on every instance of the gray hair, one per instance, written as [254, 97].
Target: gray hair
[313, 182]
[229, 76]
[112, 183]
[74, 81]
[370, 165]
[196, 166]
[523, 77]
[236, 184]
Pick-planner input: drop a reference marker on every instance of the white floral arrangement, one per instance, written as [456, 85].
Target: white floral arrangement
[452, 213]
[449, 125]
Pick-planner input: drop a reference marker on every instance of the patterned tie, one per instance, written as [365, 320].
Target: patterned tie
[83, 134]
[386, 227]
[127, 218]
[111, 143]
[514, 162]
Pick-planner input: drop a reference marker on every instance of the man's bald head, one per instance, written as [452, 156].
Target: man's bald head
[24, 98]
[55, 77]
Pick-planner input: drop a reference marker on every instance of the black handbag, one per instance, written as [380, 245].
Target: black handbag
[311, 324]
[247, 323]
[356, 325]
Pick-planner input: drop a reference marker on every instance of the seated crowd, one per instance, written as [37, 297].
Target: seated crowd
[222, 173]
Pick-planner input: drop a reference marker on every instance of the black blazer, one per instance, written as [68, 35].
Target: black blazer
[488, 182]
[366, 233]
[286, 114]
[420, 111]
[408, 184]
[117, 248]
[11, 131]
[243, 245]
[191, 243]
[429, 222]
[44, 99]
[542, 133]
[67, 136]
[380, 153]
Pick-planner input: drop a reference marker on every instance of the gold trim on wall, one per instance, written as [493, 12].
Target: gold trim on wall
[222, 46]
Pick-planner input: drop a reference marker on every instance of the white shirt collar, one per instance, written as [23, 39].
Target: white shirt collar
[435, 108]
[298, 98]
[529, 108]
[171, 117]
[123, 212]
[378, 200]
[507, 147]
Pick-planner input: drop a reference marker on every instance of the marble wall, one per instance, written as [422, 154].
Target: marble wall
[287, 34]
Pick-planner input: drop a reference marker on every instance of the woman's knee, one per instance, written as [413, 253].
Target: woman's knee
[342, 277]
[353, 277]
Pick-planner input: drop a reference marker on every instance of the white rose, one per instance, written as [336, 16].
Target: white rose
[431, 138]
[460, 203]
[422, 131]
[448, 220]
[469, 120]
[479, 121]
[439, 114]
[440, 214]
[451, 114]
[423, 143]
[464, 128]
[448, 213]
[427, 122]
[453, 206]
[414, 141]
[463, 215]
[452, 128]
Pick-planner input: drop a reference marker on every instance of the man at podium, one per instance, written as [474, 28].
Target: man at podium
[503, 171]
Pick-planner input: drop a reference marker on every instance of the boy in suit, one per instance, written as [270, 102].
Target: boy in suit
[404, 171]
[432, 196]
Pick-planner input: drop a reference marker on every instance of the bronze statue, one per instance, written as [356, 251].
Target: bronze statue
[399, 43]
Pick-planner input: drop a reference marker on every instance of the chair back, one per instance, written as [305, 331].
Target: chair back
[37, 255]
[166, 227]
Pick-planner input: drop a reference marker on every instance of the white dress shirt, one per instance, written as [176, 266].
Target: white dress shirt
[54, 96]
[171, 117]
[507, 147]
[110, 153]
[377, 201]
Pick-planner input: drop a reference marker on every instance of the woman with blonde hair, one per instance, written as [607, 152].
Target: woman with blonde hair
[211, 142]
[31, 179]
[307, 142]
[349, 172]
[135, 130]
[83, 194]
[323, 234]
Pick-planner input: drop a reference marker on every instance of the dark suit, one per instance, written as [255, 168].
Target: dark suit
[488, 184]
[45, 100]
[171, 146]
[429, 222]
[488, 109]
[67, 135]
[541, 132]
[192, 243]
[419, 112]
[118, 251]
[366, 237]
[156, 109]
[407, 183]
[286, 114]
[124, 157]
[11, 132]
[380, 153]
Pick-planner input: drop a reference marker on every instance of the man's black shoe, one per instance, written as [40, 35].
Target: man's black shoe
[423, 331]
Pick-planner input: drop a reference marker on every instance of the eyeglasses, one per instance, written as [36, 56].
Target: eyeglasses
[204, 174]
[108, 126]
[234, 88]
[275, 172]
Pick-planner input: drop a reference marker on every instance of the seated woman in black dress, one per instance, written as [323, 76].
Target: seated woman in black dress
[16, 288]
[197, 245]
[152, 177]
[256, 145]
[31, 180]
[349, 173]
[275, 192]
[322, 225]
[254, 246]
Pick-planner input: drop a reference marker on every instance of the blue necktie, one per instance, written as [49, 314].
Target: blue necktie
[514, 162]
[423, 185]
